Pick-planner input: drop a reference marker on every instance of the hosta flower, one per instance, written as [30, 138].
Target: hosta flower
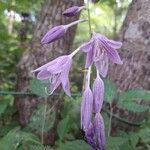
[72, 11]
[56, 72]
[99, 131]
[98, 94]
[54, 34]
[89, 135]
[86, 108]
[99, 49]
[58, 32]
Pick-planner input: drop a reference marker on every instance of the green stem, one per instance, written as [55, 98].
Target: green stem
[89, 18]
[43, 122]
[90, 33]
[110, 119]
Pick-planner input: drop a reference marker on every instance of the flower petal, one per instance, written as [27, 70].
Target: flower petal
[89, 59]
[98, 94]
[43, 75]
[89, 135]
[64, 76]
[99, 131]
[102, 65]
[54, 82]
[54, 34]
[56, 65]
[114, 56]
[72, 11]
[86, 108]
[86, 47]
[114, 44]
[112, 53]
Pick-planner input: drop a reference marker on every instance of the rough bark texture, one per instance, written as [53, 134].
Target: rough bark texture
[135, 35]
[37, 54]
[135, 72]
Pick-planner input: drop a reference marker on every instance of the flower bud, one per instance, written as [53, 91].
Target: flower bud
[54, 34]
[72, 11]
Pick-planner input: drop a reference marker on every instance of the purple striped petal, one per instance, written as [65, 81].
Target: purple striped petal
[102, 66]
[54, 82]
[99, 130]
[64, 76]
[54, 34]
[89, 59]
[98, 94]
[114, 56]
[86, 47]
[86, 108]
[43, 75]
[56, 65]
[112, 53]
[114, 44]
[89, 135]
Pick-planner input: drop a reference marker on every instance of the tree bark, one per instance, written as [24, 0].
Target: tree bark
[37, 54]
[135, 71]
[135, 35]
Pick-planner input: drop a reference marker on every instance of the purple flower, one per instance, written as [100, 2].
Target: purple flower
[72, 11]
[86, 108]
[99, 131]
[98, 94]
[54, 34]
[98, 50]
[58, 32]
[89, 135]
[56, 72]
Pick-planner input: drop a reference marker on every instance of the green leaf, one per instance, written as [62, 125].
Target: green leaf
[126, 146]
[39, 147]
[74, 145]
[128, 100]
[38, 87]
[113, 143]
[144, 134]
[14, 138]
[134, 138]
[63, 127]
[37, 117]
[5, 129]
[135, 94]
[110, 91]
[132, 106]
[3, 105]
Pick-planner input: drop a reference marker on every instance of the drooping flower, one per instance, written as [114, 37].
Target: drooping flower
[99, 131]
[99, 49]
[86, 108]
[72, 11]
[56, 72]
[98, 93]
[58, 32]
[89, 135]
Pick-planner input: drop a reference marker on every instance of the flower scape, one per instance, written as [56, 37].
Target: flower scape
[99, 50]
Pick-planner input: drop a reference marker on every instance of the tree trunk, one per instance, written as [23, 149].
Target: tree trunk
[37, 54]
[135, 71]
[135, 35]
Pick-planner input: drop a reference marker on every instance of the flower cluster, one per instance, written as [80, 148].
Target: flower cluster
[98, 51]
